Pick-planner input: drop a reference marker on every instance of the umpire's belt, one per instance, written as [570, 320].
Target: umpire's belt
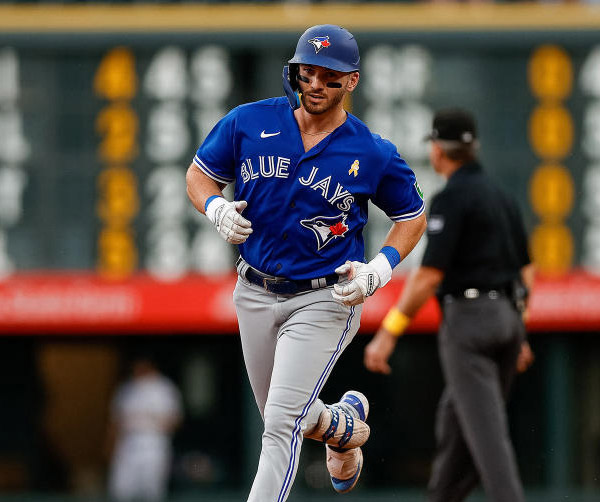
[474, 293]
[279, 285]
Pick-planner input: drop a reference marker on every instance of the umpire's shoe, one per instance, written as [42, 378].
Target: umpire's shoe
[345, 464]
[340, 424]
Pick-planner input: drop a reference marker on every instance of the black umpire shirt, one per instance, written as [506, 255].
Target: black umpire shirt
[475, 234]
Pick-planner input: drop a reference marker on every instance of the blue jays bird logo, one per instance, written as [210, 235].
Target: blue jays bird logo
[319, 43]
[326, 228]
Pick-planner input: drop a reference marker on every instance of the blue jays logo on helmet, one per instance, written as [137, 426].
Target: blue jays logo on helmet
[319, 43]
[326, 228]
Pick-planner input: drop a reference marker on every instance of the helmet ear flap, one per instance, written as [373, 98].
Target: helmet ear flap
[290, 85]
[293, 76]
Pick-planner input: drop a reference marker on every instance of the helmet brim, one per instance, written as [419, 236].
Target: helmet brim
[325, 62]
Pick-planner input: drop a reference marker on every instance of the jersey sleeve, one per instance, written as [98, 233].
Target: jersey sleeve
[443, 231]
[398, 193]
[215, 157]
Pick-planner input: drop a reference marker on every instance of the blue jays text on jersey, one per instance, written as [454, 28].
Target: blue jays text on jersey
[308, 209]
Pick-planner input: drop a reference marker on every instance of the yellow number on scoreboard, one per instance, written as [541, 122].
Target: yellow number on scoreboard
[551, 192]
[118, 126]
[552, 248]
[550, 73]
[118, 196]
[117, 253]
[116, 77]
[551, 131]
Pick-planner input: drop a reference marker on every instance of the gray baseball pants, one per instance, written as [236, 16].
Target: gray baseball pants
[479, 341]
[290, 345]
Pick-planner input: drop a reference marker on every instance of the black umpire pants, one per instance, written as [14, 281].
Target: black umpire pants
[479, 341]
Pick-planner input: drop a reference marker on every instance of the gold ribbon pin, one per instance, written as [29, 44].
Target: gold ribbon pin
[354, 168]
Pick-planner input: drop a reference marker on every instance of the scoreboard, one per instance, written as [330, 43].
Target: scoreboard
[102, 109]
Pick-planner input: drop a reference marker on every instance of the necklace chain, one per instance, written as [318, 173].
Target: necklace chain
[321, 132]
[315, 133]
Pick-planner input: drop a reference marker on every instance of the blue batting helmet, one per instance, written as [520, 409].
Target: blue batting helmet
[324, 45]
[330, 46]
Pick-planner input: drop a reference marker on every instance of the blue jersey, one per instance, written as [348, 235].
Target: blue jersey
[308, 209]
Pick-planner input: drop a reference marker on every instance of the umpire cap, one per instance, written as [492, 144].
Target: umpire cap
[453, 124]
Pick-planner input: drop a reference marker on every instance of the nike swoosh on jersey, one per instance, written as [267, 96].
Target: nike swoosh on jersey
[269, 134]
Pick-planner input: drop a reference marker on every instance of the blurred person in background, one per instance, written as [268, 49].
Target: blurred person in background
[477, 262]
[145, 411]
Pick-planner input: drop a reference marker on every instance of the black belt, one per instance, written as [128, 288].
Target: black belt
[281, 286]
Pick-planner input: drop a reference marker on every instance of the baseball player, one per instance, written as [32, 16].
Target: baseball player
[477, 263]
[144, 413]
[304, 170]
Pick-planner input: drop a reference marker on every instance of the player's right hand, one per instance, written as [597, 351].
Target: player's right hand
[228, 220]
[362, 281]
[378, 352]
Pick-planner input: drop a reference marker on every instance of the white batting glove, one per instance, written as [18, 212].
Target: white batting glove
[227, 218]
[364, 279]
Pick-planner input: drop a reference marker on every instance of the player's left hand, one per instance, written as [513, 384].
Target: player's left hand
[363, 281]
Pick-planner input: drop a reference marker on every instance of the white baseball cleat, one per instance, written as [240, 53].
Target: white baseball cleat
[354, 403]
[345, 464]
[344, 467]
[340, 425]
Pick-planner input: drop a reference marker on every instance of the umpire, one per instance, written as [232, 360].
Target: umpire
[476, 262]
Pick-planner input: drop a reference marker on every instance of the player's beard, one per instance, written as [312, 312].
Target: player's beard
[325, 105]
